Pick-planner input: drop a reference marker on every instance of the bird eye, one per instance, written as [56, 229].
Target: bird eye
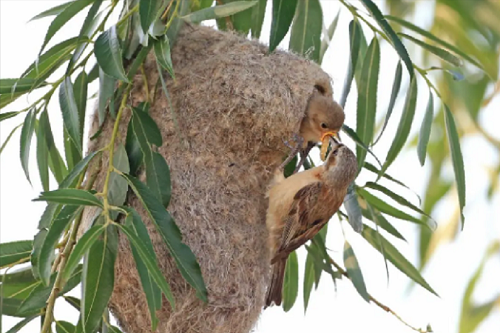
[335, 152]
[323, 125]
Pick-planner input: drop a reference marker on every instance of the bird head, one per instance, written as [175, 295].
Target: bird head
[324, 116]
[341, 165]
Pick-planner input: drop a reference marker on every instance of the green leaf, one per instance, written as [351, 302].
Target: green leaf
[26, 136]
[305, 38]
[425, 130]
[11, 86]
[133, 148]
[427, 34]
[4, 144]
[7, 115]
[70, 196]
[374, 215]
[147, 12]
[118, 186]
[395, 257]
[395, 41]
[160, 176]
[354, 136]
[56, 163]
[283, 13]
[354, 271]
[109, 55]
[353, 210]
[42, 157]
[37, 248]
[152, 266]
[14, 251]
[404, 125]
[354, 43]
[16, 328]
[81, 247]
[63, 17]
[10, 306]
[309, 278]
[177, 22]
[80, 94]
[367, 98]
[328, 37]
[106, 92]
[77, 170]
[291, 282]
[457, 158]
[241, 21]
[384, 207]
[151, 289]
[162, 53]
[64, 327]
[372, 168]
[147, 126]
[258, 14]
[50, 240]
[69, 108]
[73, 156]
[164, 223]
[218, 11]
[52, 11]
[443, 54]
[394, 94]
[99, 278]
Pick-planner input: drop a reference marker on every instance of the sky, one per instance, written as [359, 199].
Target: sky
[330, 309]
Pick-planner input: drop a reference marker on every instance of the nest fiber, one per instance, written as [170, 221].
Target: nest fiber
[234, 104]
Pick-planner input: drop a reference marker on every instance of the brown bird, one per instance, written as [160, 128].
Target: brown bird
[323, 117]
[300, 205]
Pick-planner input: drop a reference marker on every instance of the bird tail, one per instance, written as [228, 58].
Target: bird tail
[275, 289]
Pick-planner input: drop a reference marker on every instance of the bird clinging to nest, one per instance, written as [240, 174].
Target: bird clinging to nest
[300, 205]
[323, 118]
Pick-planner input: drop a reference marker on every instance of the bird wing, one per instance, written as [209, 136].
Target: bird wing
[301, 224]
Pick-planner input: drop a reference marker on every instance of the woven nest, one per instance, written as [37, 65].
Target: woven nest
[235, 104]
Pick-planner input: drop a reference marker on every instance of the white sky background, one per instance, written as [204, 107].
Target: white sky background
[329, 310]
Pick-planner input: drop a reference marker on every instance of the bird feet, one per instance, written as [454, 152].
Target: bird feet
[295, 149]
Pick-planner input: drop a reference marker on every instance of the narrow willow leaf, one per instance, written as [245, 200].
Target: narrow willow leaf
[384, 207]
[64, 327]
[258, 14]
[63, 17]
[283, 13]
[395, 257]
[50, 240]
[291, 282]
[80, 93]
[35, 253]
[56, 163]
[73, 301]
[404, 125]
[370, 167]
[73, 155]
[16, 328]
[87, 29]
[147, 13]
[354, 136]
[151, 289]
[438, 40]
[70, 113]
[81, 247]
[10, 307]
[442, 53]
[150, 263]
[7, 115]
[394, 94]
[309, 278]
[354, 271]
[178, 22]
[99, 278]
[11, 86]
[148, 126]
[367, 98]
[70, 196]
[162, 53]
[42, 157]
[106, 92]
[133, 148]
[109, 55]
[425, 130]
[14, 251]
[70, 179]
[305, 37]
[241, 21]
[218, 11]
[399, 199]
[165, 224]
[395, 41]
[52, 11]
[377, 218]
[160, 176]
[4, 144]
[26, 136]
[328, 37]
[457, 159]
[118, 186]
[354, 42]
[353, 210]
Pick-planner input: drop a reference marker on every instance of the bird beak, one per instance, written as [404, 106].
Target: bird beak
[326, 139]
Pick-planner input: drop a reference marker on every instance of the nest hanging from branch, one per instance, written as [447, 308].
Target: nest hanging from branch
[234, 105]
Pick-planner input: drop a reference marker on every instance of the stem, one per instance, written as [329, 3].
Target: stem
[380, 305]
[127, 15]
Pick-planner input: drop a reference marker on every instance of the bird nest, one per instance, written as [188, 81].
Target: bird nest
[234, 104]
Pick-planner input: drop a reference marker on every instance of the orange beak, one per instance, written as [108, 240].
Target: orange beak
[325, 140]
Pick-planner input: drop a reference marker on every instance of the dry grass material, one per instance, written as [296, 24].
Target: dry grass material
[235, 104]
